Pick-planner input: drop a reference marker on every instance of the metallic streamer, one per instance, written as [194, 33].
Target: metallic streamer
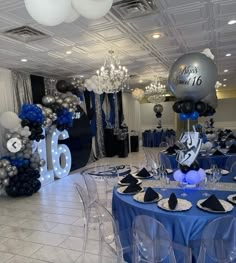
[100, 149]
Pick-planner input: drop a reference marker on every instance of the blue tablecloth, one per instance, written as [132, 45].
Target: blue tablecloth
[153, 139]
[205, 162]
[182, 226]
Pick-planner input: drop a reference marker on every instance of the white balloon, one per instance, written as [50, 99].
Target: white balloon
[48, 12]
[9, 120]
[73, 15]
[92, 9]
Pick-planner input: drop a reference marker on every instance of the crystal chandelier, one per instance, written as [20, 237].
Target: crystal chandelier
[112, 77]
[156, 91]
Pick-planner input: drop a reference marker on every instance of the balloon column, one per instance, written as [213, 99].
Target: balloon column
[20, 168]
[192, 80]
[55, 12]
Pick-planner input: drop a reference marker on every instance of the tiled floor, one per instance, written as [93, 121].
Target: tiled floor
[47, 227]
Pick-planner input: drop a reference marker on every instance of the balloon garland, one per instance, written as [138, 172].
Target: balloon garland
[20, 168]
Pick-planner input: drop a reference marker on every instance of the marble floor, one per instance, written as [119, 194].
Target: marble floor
[47, 226]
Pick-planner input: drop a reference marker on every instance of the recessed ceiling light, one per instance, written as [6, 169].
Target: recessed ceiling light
[23, 60]
[156, 36]
[140, 81]
[226, 70]
[232, 22]
[224, 79]
[224, 85]
[81, 76]
[228, 55]
[68, 52]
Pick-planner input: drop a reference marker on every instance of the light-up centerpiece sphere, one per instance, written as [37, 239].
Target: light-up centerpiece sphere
[190, 176]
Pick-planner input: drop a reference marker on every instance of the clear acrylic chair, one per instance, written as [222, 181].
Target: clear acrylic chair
[218, 242]
[109, 241]
[151, 157]
[230, 162]
[85, 218]
[152, 244]
[233, 168]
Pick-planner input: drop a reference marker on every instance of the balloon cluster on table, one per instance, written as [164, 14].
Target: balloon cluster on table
[19, 169]
[192, 80]
[190, 175]
[55, 12]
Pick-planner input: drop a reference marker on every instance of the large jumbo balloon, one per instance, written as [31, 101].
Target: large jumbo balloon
[48, 12]
[9, 120]
[192, 76]
[92, 9]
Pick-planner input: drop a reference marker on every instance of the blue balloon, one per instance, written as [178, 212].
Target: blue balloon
[183, 116]
[194, 115]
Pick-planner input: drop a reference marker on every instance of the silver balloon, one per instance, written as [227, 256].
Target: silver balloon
[6, 182]
[60, 101]
[3, 173]
[8, 136]
[192, 76]
[158, 108]
[69, 99]
[42, 163]
[5, 163]
[8, 168]
[11, 174]
[65, 105]
[48, 100]
[48, 111]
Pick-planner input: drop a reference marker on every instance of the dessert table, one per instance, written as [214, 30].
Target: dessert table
[183, 227]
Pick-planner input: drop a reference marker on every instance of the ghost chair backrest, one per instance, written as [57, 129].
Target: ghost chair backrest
[165, 161]
[230, 162]
[218, 242]
[152, 243]
[91, 188]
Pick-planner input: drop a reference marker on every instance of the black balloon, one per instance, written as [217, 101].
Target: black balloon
[62, 86]
[184, 169]
[195, 166]
[158, 114]
[177, 107]
[187, 107]
[200, 107]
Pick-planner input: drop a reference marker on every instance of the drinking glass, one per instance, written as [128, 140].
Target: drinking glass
[206, 185]
[183, 186]
[163, 179]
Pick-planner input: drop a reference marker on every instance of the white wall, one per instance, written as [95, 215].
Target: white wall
[149, 120]
[225, 116]
[131, 108]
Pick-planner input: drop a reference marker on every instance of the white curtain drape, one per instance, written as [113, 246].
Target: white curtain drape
[22, 89]
[6, 99]
[15, 90]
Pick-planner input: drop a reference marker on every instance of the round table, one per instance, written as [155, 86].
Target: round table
[183, 227]
[204, 161]
[154, 138]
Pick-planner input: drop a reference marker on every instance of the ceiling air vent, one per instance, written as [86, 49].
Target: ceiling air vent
[25, 34]
[129, 9]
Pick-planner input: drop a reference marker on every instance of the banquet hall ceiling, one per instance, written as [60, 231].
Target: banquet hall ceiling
[184, 25]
